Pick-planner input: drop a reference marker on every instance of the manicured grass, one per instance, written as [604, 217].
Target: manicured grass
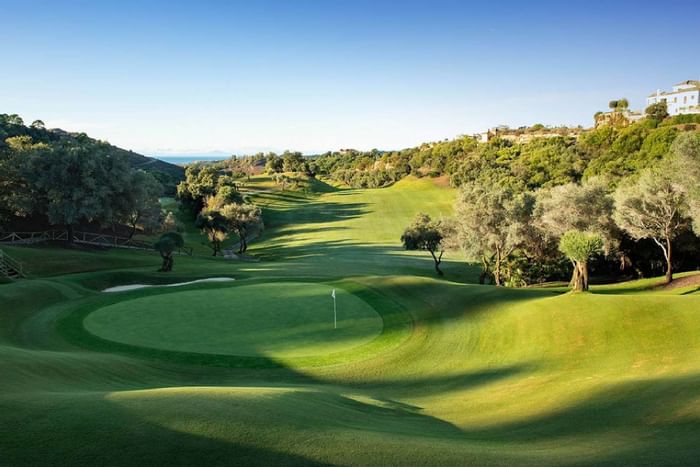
[461, 374]
[277, 320]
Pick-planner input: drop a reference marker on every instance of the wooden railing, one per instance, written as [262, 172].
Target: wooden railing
[86, 238]
[10, 267]
[33, 237]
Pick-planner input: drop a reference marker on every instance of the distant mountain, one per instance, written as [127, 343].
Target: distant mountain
[168, 174]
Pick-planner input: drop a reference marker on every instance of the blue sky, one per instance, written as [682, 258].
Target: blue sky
[180, 77]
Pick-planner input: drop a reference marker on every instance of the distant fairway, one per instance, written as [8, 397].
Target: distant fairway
[286, 319]
[423, 370]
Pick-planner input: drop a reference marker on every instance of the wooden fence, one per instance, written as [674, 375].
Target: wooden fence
[10, 267]
[85, 238]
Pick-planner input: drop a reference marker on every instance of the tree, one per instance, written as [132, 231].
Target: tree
[166, 245]
[141, 205]
[214, 225]
[171, 223]
[17, 197]
[491, 224]
[657, 111]
[684, 160]
[613, 104]
[653, 207]
[11, 119]
[245, 220]
[38, 124]
[579, 247]
[273, 164]
[283, 180]
[78, 182]
[200, 182]
[426, 235]
[586, 207]
[292, 162]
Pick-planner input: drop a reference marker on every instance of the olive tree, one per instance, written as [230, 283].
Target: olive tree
[653, 207]
[166, 246]
[141, 204]
[586, 207]
[580, 247]
[245, 220]
[214, 226]
[684, 168]
[657, 111]
[491, 224]
[426, 235]
[77, 183]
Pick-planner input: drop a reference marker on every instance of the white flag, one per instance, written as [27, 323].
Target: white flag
[333, 294]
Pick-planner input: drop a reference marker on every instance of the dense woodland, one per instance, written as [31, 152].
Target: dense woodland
[54, 178]
[617, 202]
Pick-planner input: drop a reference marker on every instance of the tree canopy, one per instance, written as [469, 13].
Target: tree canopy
[426, 235]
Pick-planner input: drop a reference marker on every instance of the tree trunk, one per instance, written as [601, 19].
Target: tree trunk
[437, 260]
[71, 231]
[579, 281]
[574, 275]
[584, 274]
[669, 261]
[134, 223]
[242, 244]
[497, 269]
[167, 265]
[485, 269]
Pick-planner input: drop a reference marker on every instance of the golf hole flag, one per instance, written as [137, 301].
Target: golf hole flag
[335, 313]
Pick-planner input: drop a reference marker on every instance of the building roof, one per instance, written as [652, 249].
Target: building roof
[691, 82]
[670, 93]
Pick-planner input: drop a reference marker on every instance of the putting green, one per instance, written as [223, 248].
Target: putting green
[284, 319]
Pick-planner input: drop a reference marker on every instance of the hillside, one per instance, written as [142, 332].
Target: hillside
[168, 174]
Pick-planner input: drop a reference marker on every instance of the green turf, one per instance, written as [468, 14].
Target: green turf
[276, 320]
[461, 374]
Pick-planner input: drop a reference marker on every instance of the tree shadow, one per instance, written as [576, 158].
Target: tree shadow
[435, 384]
[87, 429]
[652, 411]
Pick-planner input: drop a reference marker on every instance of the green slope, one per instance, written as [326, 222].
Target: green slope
[461, 375]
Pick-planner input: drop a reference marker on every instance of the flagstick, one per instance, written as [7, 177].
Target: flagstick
[335, 315]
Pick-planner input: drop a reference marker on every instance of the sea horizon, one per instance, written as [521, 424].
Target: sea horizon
[182, 159]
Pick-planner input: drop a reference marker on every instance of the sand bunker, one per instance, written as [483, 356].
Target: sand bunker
[124, 288]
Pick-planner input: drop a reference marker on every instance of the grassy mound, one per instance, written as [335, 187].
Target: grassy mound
[277, 320]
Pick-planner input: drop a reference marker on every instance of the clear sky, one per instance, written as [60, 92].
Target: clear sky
[177, 76]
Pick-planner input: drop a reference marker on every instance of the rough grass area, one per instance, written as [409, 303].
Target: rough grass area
[458, 374]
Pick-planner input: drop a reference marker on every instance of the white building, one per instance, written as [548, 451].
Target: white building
[684, 99]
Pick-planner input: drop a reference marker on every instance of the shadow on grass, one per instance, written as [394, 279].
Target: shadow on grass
[434, 385]
[319, 186]
[89, 430]
[348, 258]
[652, 413]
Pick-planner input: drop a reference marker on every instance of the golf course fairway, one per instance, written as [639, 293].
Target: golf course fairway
[422, 370]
